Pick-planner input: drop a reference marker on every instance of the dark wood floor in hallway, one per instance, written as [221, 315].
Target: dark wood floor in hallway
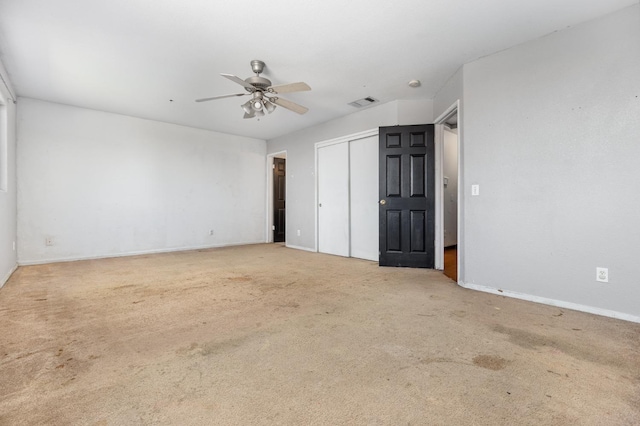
[451, 262]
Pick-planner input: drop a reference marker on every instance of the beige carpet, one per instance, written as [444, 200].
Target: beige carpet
[268, 335]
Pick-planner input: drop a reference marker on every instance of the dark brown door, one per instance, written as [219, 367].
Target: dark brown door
[407, 199]
[279, 190]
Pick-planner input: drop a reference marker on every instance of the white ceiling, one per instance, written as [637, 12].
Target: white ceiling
[134, 56]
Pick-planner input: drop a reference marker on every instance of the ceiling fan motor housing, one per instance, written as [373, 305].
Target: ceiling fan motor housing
[258, 82]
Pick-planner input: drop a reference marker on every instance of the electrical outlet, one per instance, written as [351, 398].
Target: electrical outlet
[602, 275]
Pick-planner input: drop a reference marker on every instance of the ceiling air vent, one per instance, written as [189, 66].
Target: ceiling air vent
[363, 102]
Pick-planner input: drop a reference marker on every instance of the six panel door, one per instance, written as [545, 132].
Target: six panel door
[407, 196]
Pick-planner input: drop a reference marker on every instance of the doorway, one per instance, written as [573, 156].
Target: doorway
[450, 197]
[449, 174]
[279, 199]
[276, 198]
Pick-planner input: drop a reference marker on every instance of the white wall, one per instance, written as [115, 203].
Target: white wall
[415, 112]
[8, 220]
[448, 94]
[299, 145]
[100, 184]
[552, 136]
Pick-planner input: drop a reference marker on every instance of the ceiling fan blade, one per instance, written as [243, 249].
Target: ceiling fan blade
[292, 106]
[290, 88]
[220, 97]
[240, 81]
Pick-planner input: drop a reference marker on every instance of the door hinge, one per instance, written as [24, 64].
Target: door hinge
[273, 227]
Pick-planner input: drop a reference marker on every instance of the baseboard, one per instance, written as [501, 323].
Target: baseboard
[553, 302]
[300, 248]
[7, 276]
[132, 253]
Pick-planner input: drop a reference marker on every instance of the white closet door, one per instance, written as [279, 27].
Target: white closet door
[363, 160]
[333, 199]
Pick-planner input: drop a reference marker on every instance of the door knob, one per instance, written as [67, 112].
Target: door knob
[383, 202]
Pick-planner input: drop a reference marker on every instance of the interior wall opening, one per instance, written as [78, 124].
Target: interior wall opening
[276, 198]
[450, 197]
[449, 193]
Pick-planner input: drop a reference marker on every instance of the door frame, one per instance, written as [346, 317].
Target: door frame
[269, 201]
[317, 146]
[439, 142]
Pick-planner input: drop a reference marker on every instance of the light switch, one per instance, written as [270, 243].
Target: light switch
[475, 190]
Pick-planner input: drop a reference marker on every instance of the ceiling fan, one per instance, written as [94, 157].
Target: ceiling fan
[263, 94]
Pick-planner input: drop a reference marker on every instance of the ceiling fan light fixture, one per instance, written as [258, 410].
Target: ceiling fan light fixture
[269, 106]
[256, 102]
[247, 107]
[259, 113]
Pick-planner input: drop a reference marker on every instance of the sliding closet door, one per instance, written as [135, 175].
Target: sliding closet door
[333, 199]
[363, 161]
